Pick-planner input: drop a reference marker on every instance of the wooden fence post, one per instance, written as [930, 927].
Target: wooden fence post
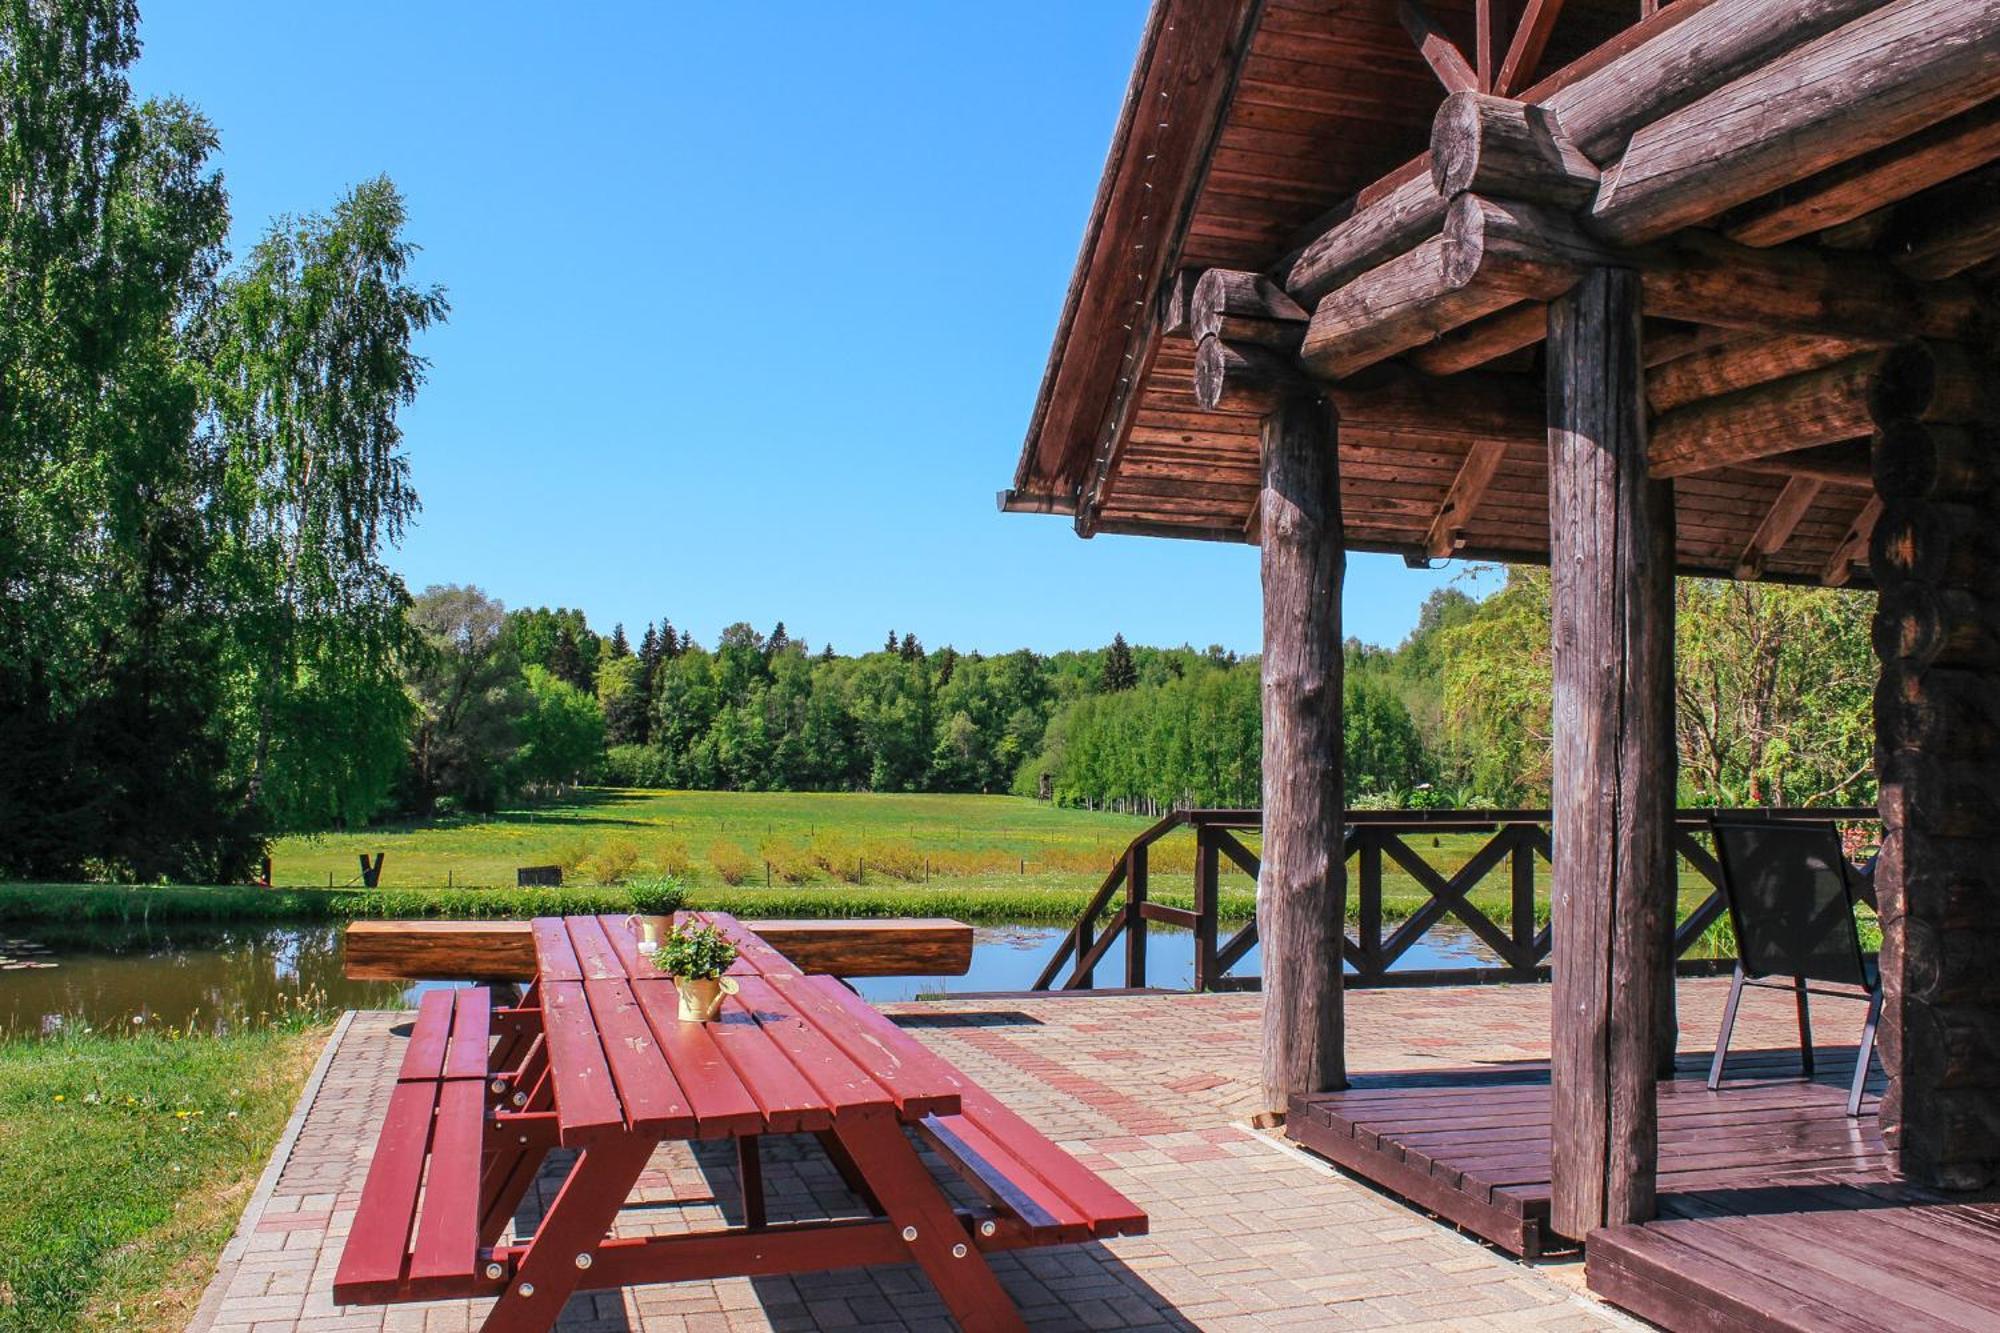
[1135, 915]
[1612, 561]
[1301, 893]
[1207, 906]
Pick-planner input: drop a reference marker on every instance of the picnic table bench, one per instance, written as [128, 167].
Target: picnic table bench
[595, 1059]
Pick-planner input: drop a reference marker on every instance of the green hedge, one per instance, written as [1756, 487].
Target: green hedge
[82, 904]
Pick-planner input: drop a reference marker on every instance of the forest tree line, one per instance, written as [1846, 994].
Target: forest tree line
[1774, 706]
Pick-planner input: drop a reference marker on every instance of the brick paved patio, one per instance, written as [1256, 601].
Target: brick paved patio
[1152, 1091]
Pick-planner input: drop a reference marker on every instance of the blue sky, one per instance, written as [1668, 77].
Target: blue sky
[750, 303]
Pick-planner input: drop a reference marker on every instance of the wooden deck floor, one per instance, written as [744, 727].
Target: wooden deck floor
[1778, 1212]
[1814, 1252]
[1472, 1145]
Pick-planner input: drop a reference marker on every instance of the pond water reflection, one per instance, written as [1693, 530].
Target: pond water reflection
[212, 979]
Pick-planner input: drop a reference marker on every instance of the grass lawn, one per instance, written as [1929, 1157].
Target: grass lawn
[979, 858]
[124, 1163]
[698, 836]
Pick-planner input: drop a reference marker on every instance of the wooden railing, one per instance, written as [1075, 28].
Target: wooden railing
[1375, 838]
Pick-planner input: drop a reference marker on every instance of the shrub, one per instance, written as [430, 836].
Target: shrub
[670, 857]
[571, 856]
[729, 861]
[613, 861]
[839, 857]
[896, 860]
[790, 862]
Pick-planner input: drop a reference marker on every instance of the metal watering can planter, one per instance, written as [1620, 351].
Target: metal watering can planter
[703, 951]
[701, 997]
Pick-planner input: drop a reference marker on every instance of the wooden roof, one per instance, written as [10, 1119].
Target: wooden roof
[1250, 127]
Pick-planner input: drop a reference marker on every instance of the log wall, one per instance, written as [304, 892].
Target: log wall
[1936, 557]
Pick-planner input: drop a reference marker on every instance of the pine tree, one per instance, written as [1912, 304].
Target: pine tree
[620, 645]
[947, 662]
[1119, 672]
[891, 646]
[826, 654]
[778, 643]
[670, 644]
[911, 650]
[566, 660]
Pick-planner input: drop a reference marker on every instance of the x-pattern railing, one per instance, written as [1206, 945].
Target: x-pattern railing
[1515, 840]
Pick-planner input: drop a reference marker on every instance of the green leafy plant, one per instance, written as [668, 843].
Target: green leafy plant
[657, 895]
[695, 953]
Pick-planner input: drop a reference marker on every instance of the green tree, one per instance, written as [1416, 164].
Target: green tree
[467, 685]
[1119, 672]
[310, 361]
[561, 732]
[621, 695]
[111, 226]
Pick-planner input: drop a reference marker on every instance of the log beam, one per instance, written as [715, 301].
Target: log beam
[1947, 231]
[1490, 255]
[1869, 182]
[1241, 307]
[1779, 523]
[1741, 365]
[505, 950]
[1898, 70]
[1704, 279]
[1484, 340]
[1938, 758]
[1241, 377]
[1475, 474]
[1702, 52]
[1612, 560]
[1507, 149]
[1302, 889]
[1372, 232]
[1820, 407]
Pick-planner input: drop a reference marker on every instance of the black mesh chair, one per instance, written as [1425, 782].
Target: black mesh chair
[1791, 892]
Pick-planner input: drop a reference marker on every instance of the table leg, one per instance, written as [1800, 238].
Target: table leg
[929, 1226]
[850, 1174]
[750, 1173]
[567, 1240]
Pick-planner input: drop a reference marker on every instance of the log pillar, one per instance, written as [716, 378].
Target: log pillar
[1611, 555]
[1302, 889]
[1935, 555]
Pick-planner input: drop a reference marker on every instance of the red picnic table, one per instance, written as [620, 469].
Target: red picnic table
[596, 1059]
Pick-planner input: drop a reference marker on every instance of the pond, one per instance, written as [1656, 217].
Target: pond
[211, 979]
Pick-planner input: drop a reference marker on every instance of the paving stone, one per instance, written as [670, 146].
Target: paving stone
[1248, 1233]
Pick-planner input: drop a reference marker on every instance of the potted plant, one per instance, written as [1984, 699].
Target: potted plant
[696, 956]
[653, 902]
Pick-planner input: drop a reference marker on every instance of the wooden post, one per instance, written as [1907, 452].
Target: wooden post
[1135, 915]
[1302, 890]
[1611, 556]
[1936, 562]
[1206, 906]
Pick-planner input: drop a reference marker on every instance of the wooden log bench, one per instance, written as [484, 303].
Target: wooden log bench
[490, 951]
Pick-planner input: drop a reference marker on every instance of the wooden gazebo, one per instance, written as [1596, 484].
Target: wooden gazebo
[1625, 287]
